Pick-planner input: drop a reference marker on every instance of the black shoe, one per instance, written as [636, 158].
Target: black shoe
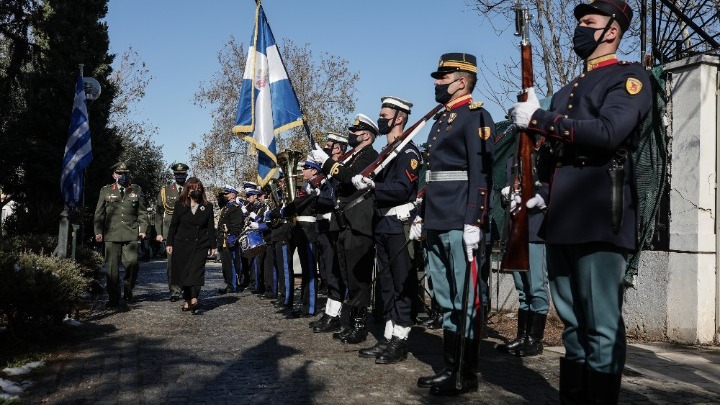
[342, 334]
[195, 309]
[111, 304]
[226, 290]
[356, 335]
[469, 382]
[396, 351]
[174, 298]
[322, 319]
[128, 296]
[374, 351]
[327, 324]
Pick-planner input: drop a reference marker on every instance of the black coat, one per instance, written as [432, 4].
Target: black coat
[191, 235]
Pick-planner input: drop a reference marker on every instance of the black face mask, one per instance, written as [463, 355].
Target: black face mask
[584, 43]
[222, 200]
[328, 151]
[354, 141]
[124, 180]
[180, 178]
[442, 95]
[196, 195]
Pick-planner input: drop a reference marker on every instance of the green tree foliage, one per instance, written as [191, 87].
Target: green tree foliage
[324, 84]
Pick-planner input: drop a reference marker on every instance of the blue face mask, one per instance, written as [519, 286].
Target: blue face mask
[123, 180]
[584, 43]
[180, 178]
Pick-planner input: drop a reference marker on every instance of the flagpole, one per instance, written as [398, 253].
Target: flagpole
[82, 188]
[305, 125]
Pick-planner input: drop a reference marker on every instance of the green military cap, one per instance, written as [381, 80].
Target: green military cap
[120, 167]
[179, 168]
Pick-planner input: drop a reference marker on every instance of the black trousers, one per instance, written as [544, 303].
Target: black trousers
[329, 267]
[356, 255]
[398, 279]
[229, 257]
[270, 274]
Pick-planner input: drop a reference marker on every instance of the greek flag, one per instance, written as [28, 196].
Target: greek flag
[78, 152]
[268, 104]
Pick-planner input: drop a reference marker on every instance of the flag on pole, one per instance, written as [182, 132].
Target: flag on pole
[78, 151]
[268, 104]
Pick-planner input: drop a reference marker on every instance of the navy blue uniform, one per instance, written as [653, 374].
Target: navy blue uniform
[396, 188]
[461, 140]
[305, 236]
[595, 122]
[230, 226]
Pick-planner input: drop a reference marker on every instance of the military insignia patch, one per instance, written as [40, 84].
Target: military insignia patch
[633, 86]
[475, 105]
[484, 133]
[335, 169]
[414, 163]
[452, 117]
[356, 122]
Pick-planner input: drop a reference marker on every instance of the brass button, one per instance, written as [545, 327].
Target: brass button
[551, 128]
[479, 221]
[429, 146]
[534, 122]
[434, 138]
[572, 94]
[438, 130]
[558, 164]
[444, 114]
[582, 75]
[482, 193]
[575, 85]
[566, 116]
[566, 133]
[482, 207]
[569, 106]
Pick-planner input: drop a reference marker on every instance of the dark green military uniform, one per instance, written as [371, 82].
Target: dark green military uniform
[120, 216]
[166, 199]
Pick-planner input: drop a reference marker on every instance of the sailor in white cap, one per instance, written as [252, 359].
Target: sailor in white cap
[395, 189]
[355, 241]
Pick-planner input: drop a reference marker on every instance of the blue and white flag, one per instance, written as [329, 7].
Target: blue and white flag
[78, 151]
[268, 104]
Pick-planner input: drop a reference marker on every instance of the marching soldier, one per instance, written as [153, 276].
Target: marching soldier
[166, 199]
[459, 157]
[591, 221]
[396, 189]
[229, 227]
[355, 241]
[328, 230]
[120, 219]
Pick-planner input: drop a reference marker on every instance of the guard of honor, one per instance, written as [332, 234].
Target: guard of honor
[593, 125]
[341, 221]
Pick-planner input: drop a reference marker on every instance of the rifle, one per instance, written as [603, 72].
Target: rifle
[393, 149]
[317, 180]
[516, 255]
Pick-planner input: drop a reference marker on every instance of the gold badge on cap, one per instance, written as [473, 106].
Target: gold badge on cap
[414, 163]
[633, 86]
[357, 122]
[452, 117]
[484, 133]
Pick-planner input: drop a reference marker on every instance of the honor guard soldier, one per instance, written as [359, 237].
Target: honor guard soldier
[591, 221]
[229, 227]
[280, 238]
[459, 158]
[166, 199]
[328, 230]
[355, 241]
[396, 189]
[120, 219]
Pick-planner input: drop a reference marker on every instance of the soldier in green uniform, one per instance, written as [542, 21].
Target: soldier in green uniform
[120, 218]
[166, 199]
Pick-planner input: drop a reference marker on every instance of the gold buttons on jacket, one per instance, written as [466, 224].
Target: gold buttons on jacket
[534, 122]
[551, 128]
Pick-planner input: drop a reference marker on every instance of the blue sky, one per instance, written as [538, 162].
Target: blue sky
[393, 45]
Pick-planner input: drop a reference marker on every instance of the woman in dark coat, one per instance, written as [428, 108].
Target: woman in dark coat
[191, 239]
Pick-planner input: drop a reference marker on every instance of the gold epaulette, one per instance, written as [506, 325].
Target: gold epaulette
[475, 105]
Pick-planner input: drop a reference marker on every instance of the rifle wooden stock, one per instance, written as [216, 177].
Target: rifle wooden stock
[517, 255]
[393, 149]
[317, 180]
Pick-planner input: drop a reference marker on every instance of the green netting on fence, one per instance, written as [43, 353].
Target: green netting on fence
[651, 163]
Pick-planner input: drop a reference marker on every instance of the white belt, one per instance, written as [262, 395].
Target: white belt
[402, 212]
[446, 175]
[306, 218]
[326, 216]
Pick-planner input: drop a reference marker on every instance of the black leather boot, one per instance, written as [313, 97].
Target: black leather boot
[358, 331]
[573, 383]
[511, 347]
[467, 375]
[532, 346]
[603, 388]
[449, 345]
[327, 324]
[373, 352]
[396, 351]
[345, 331]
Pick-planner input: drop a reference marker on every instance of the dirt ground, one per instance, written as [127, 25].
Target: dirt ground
[503, 325]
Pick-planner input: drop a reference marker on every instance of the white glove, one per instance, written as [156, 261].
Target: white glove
[254, 225]
[319, 155]
[536, 202]
[361, 183]
[505, 192]
[244, 210]
[416, 229]
[253, 216]
[522, 112]
[471, 237]
[310, 190]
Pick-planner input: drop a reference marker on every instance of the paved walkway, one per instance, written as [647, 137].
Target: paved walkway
[241, 351]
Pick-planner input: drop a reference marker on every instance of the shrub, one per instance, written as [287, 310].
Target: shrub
[38, 291]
